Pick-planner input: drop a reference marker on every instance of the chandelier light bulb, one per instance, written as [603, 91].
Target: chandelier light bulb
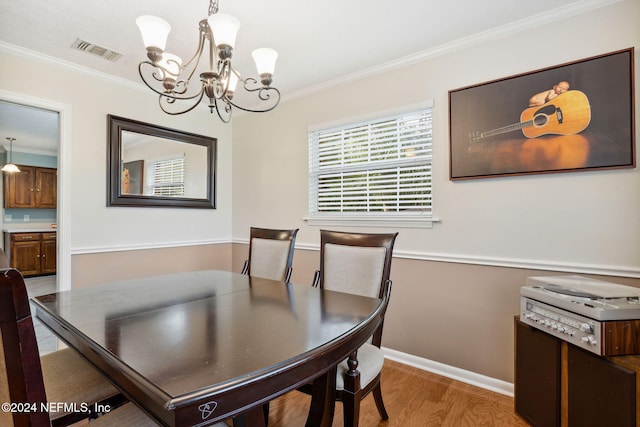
[154, 31]
[224, 28]
[265, 59]
[233, 83]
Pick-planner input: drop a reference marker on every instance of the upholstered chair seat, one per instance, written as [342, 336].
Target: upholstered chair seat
[370, 361]
[84, 386]
[69, 378]
[126, 415]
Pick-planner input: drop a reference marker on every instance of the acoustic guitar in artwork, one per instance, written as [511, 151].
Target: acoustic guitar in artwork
[566, 114]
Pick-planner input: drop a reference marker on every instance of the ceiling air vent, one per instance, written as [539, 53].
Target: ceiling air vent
[85, 46]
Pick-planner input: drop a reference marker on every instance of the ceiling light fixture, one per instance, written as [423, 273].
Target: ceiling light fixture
[166, 75]
[9, 166]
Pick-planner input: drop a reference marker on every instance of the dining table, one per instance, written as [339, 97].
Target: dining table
[195, 348]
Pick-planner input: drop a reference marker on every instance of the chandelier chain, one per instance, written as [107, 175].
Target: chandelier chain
[213, 7]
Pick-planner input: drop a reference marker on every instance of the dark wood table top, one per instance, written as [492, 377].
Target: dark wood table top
[175, 342]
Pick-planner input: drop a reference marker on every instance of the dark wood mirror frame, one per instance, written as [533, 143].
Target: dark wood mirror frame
[116, 125]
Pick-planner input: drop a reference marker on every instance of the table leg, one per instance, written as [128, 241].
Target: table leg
[323, 400]
[252, 418]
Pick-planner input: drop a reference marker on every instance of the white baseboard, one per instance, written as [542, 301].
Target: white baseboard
[452, 372]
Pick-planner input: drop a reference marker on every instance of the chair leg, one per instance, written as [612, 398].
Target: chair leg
[265, 410]
[377, 396]
[352, 393]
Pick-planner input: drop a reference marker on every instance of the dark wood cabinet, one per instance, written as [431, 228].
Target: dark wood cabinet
[31, 188]
[559, 384]
[32, 253]
[49, 250]
[601, 392]
[537, 385]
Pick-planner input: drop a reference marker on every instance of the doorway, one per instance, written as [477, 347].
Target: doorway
[44, 138]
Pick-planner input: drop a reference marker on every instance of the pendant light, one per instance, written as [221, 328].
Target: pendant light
[9, 166]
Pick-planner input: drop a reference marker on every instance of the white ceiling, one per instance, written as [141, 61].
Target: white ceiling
[319, 42]
[35, 130]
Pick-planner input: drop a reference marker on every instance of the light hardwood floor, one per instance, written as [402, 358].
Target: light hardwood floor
[413, 398]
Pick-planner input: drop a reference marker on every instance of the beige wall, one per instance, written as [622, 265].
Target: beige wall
[569, 220]
[95, 268]
[456, 286]
[460, 315]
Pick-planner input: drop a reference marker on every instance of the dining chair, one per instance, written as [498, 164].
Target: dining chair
[61, 377]
[270, 253]
[358, 263]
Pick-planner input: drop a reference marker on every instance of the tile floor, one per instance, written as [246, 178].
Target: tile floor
[41, 285]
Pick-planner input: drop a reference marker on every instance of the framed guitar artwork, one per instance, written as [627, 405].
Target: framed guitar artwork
[571, 117]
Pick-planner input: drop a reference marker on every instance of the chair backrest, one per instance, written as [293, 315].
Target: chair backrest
[271, 253]
[357, 263]
[21, 373]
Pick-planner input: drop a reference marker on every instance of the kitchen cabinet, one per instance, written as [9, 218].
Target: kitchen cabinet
[32, 188]
[559, 384]
[32, 253]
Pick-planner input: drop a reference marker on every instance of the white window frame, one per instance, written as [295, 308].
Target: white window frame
[151, 179]
[341, 170]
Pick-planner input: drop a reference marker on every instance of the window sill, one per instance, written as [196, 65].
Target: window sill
[415, 221]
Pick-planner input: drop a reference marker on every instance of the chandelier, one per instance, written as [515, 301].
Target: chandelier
[165, 74]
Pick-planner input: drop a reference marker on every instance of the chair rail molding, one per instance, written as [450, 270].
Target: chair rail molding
[529, 264]
[144, 246]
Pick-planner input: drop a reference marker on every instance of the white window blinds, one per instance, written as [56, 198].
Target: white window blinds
[168, 178]
[379, 167]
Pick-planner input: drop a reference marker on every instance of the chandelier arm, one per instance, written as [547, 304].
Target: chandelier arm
[185, 87]
[171, 100]
[172, 95]
[197, 56]
[153, 73]
[227, 109]
[212, 52]
[264, 94]
[251, 110]
[225, 69]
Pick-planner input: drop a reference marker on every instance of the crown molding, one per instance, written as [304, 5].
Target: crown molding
[560, 13]
[51, 60]
[502, 31]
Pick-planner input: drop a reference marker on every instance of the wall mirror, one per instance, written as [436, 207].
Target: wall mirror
[150, 165]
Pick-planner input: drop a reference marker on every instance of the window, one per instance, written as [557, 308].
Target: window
[167, 177]
[372, 171]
